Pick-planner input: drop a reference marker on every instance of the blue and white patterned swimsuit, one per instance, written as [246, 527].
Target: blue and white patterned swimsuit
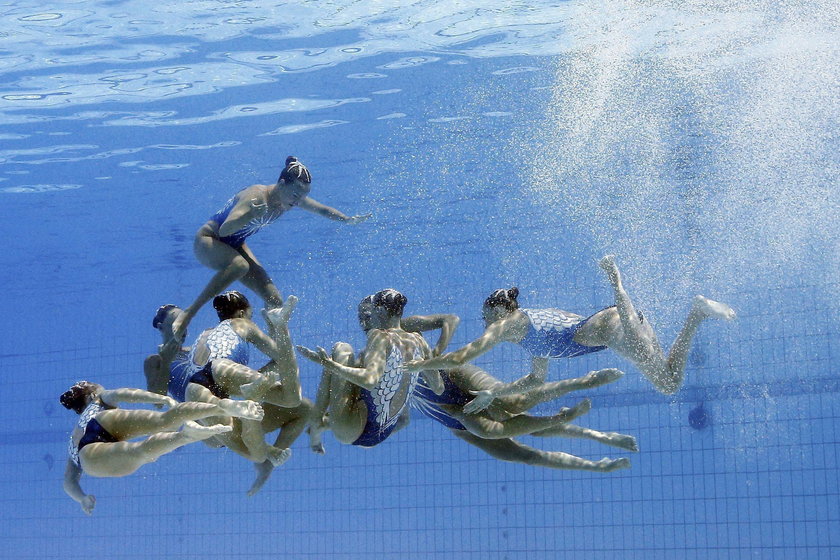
[427, 402]
[222, 342]
[93, 430]
[551, 334]
[381, 418]
[180, 372]
[237, 238]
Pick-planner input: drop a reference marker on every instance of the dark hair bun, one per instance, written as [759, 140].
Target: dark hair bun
[229, 304]
[74, 397]
[391, 300]
[504, 297]
[294, 170]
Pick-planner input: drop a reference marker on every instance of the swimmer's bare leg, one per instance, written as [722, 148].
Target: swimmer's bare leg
[702, 309]
[639, 344]
[284, 360]
[318, 416]
[246, 409]
[291, 424]
[552, 390]
[238, 379]
[229, 265]
[258, 280]
[484, 426]
[615, 439]
[253, 438]
[198, 432]
[512, 451]
[264, 471]
[624, 305]
[124, 457]
[127, 424]
[291, 429]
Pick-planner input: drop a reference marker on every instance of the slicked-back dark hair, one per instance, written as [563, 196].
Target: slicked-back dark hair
[229, 304]
[294, 170]
[76, 396]
[504, 297]
[160, 315]
[393, 301]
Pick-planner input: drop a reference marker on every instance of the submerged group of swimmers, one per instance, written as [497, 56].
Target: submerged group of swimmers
[211, 394]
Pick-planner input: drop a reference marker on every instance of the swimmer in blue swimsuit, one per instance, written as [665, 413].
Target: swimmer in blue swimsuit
[487, 429]
[220, 356]
[99, 443]
[215, 368]
[552, 333]
[220, 244]
[447, 409]
[364, 402]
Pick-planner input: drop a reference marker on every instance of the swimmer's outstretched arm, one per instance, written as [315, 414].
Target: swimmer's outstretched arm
[491, 337]
[312, 205]
[421, 323]
[366, 377]
[539, 371]
[136, 396]
[72, 474]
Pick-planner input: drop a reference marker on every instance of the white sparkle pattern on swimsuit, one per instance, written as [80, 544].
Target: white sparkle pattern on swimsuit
[224, 342]
[85, 417]
[551, 319]
[258, 222]
[389, 385]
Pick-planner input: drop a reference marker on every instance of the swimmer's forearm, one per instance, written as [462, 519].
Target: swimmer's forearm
[312, 205]
[357, 376]
[474, 349]
[72, 475]
[447, 329]
[421, 323]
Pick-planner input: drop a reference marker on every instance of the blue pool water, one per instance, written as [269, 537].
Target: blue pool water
[497, 144]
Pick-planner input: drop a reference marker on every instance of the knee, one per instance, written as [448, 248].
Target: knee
[239, 267]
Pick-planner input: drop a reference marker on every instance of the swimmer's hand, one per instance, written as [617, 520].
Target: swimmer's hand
[318, 356]
[358, 219]
[179, 329]
[88, 503]
[481, 401]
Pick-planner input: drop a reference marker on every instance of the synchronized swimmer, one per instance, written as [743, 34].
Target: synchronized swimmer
[211, 392]
[220, 243]
[216, 367]
[552, 333]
